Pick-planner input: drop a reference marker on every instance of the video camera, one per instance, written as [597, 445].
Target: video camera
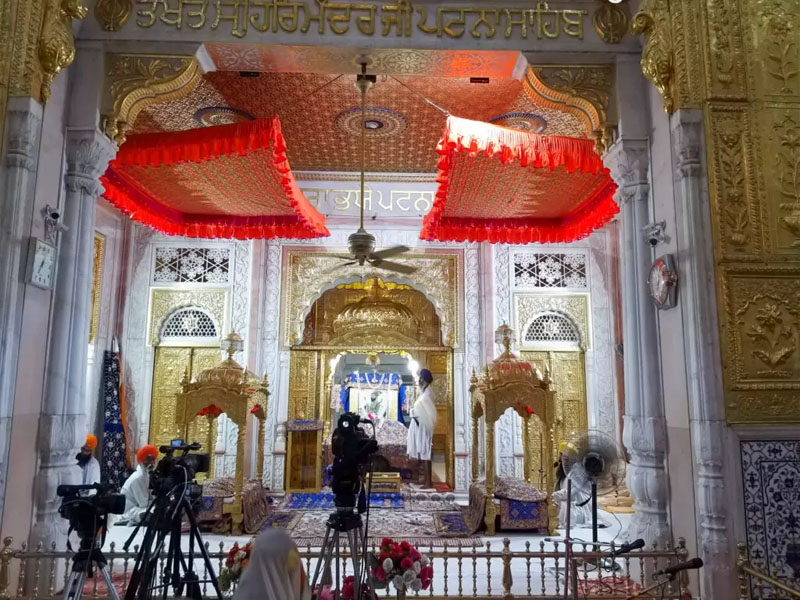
[351, 448]
[87, 514]
[173, 472]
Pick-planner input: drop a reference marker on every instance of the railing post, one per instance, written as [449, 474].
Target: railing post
[507, 579]
[5, 558]
[741, 561]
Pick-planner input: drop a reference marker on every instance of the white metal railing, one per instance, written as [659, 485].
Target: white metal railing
[478, 571]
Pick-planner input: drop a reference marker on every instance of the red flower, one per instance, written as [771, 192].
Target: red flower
[529, 410]
[383, 556]
[406, 564]
[386, 542]
[380, 574]
[405, 545]
[348, 588]
[414, 554]
[426, 576]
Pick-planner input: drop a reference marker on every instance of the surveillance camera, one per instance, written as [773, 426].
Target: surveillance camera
[54, 214]
[653, 240]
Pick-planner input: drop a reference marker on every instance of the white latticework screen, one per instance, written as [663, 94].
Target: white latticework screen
[550, 329]
[189, 323]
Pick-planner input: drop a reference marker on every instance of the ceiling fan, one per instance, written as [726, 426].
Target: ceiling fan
[362, 243]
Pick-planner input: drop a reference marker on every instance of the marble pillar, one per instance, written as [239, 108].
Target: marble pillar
[23, 126]
[701, 345]
[63, 426]
[644, 429]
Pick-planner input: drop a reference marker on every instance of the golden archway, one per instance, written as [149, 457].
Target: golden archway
[372, 317]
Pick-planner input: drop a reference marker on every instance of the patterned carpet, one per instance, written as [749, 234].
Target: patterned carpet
[423, 519]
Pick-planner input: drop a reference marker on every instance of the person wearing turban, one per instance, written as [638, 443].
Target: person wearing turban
[90, 468]
[137, 487]
[423, 422]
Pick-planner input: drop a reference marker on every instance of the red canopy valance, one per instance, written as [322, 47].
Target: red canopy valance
[508, 186]
[231, 181]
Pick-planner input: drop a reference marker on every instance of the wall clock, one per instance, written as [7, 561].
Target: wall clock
[41, 264]
[662, 282]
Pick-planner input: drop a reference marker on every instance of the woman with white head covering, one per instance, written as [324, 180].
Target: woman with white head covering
[275, 571]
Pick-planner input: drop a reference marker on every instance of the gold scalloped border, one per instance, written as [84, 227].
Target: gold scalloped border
[540, 93]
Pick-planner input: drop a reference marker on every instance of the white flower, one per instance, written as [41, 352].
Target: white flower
[416, 585]
[240, 556]
[388, 565]
[397, 582]
[424, 561]
[409, 576]
[417, 567]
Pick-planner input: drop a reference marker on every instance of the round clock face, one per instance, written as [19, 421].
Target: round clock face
[658, 283]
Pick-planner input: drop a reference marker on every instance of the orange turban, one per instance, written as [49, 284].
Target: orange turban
[146, 451]
[91, 442]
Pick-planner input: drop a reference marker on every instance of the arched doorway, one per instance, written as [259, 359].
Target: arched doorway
[361, 340]
[552, 342]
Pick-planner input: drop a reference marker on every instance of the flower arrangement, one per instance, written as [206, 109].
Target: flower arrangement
[237, 559]
[348, 592]
[401, 565]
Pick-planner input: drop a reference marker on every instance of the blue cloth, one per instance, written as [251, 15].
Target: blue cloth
[113, 469]
[324, 500]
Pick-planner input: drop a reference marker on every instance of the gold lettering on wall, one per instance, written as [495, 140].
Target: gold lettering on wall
[337, 18]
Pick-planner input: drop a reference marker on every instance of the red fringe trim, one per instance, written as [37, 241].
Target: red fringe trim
[530, 150]
[198, 145]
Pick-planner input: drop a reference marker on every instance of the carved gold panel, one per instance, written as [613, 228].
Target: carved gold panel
[726, 73]
[171, 363]
[773, 50]
[762, 320]
[780, 164]
[732, 179]
[568, 373]
[303, 385]
[98, 261]
[165, 302]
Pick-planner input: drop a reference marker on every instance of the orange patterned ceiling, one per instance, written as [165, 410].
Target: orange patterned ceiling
[316, 141]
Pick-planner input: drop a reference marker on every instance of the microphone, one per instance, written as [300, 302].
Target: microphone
[625, 548]
[695, 563]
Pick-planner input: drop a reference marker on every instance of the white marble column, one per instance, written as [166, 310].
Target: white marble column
[63, 422]
[701, 346]
[23, 126]
[644, 430]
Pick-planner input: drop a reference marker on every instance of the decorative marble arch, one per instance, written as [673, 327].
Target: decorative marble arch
[460, 263]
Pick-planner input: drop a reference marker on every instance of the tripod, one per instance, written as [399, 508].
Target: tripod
[82, 562]
[165, 517]
[342, 520]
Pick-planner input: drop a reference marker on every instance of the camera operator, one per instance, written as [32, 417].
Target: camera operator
[137, 487]
[90, 468]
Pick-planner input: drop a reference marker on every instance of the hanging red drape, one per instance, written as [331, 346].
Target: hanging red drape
[507, 186]
[231, 181]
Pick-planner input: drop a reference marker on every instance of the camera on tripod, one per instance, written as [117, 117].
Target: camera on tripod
[173, 472]
[352, 448]
[87, 513]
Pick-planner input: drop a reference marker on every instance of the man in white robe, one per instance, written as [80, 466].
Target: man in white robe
[90, 468]
[137, 487]
[423, 423]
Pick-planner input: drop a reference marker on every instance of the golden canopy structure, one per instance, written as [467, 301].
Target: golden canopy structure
[508, 382]
[231, 389]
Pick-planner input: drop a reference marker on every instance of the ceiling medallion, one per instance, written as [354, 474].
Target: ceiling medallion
[379, 121]
[522, 121]
[211, 116]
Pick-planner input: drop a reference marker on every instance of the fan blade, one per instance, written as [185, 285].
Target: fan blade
[339, 266]
[393, 266]
[389, 252]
